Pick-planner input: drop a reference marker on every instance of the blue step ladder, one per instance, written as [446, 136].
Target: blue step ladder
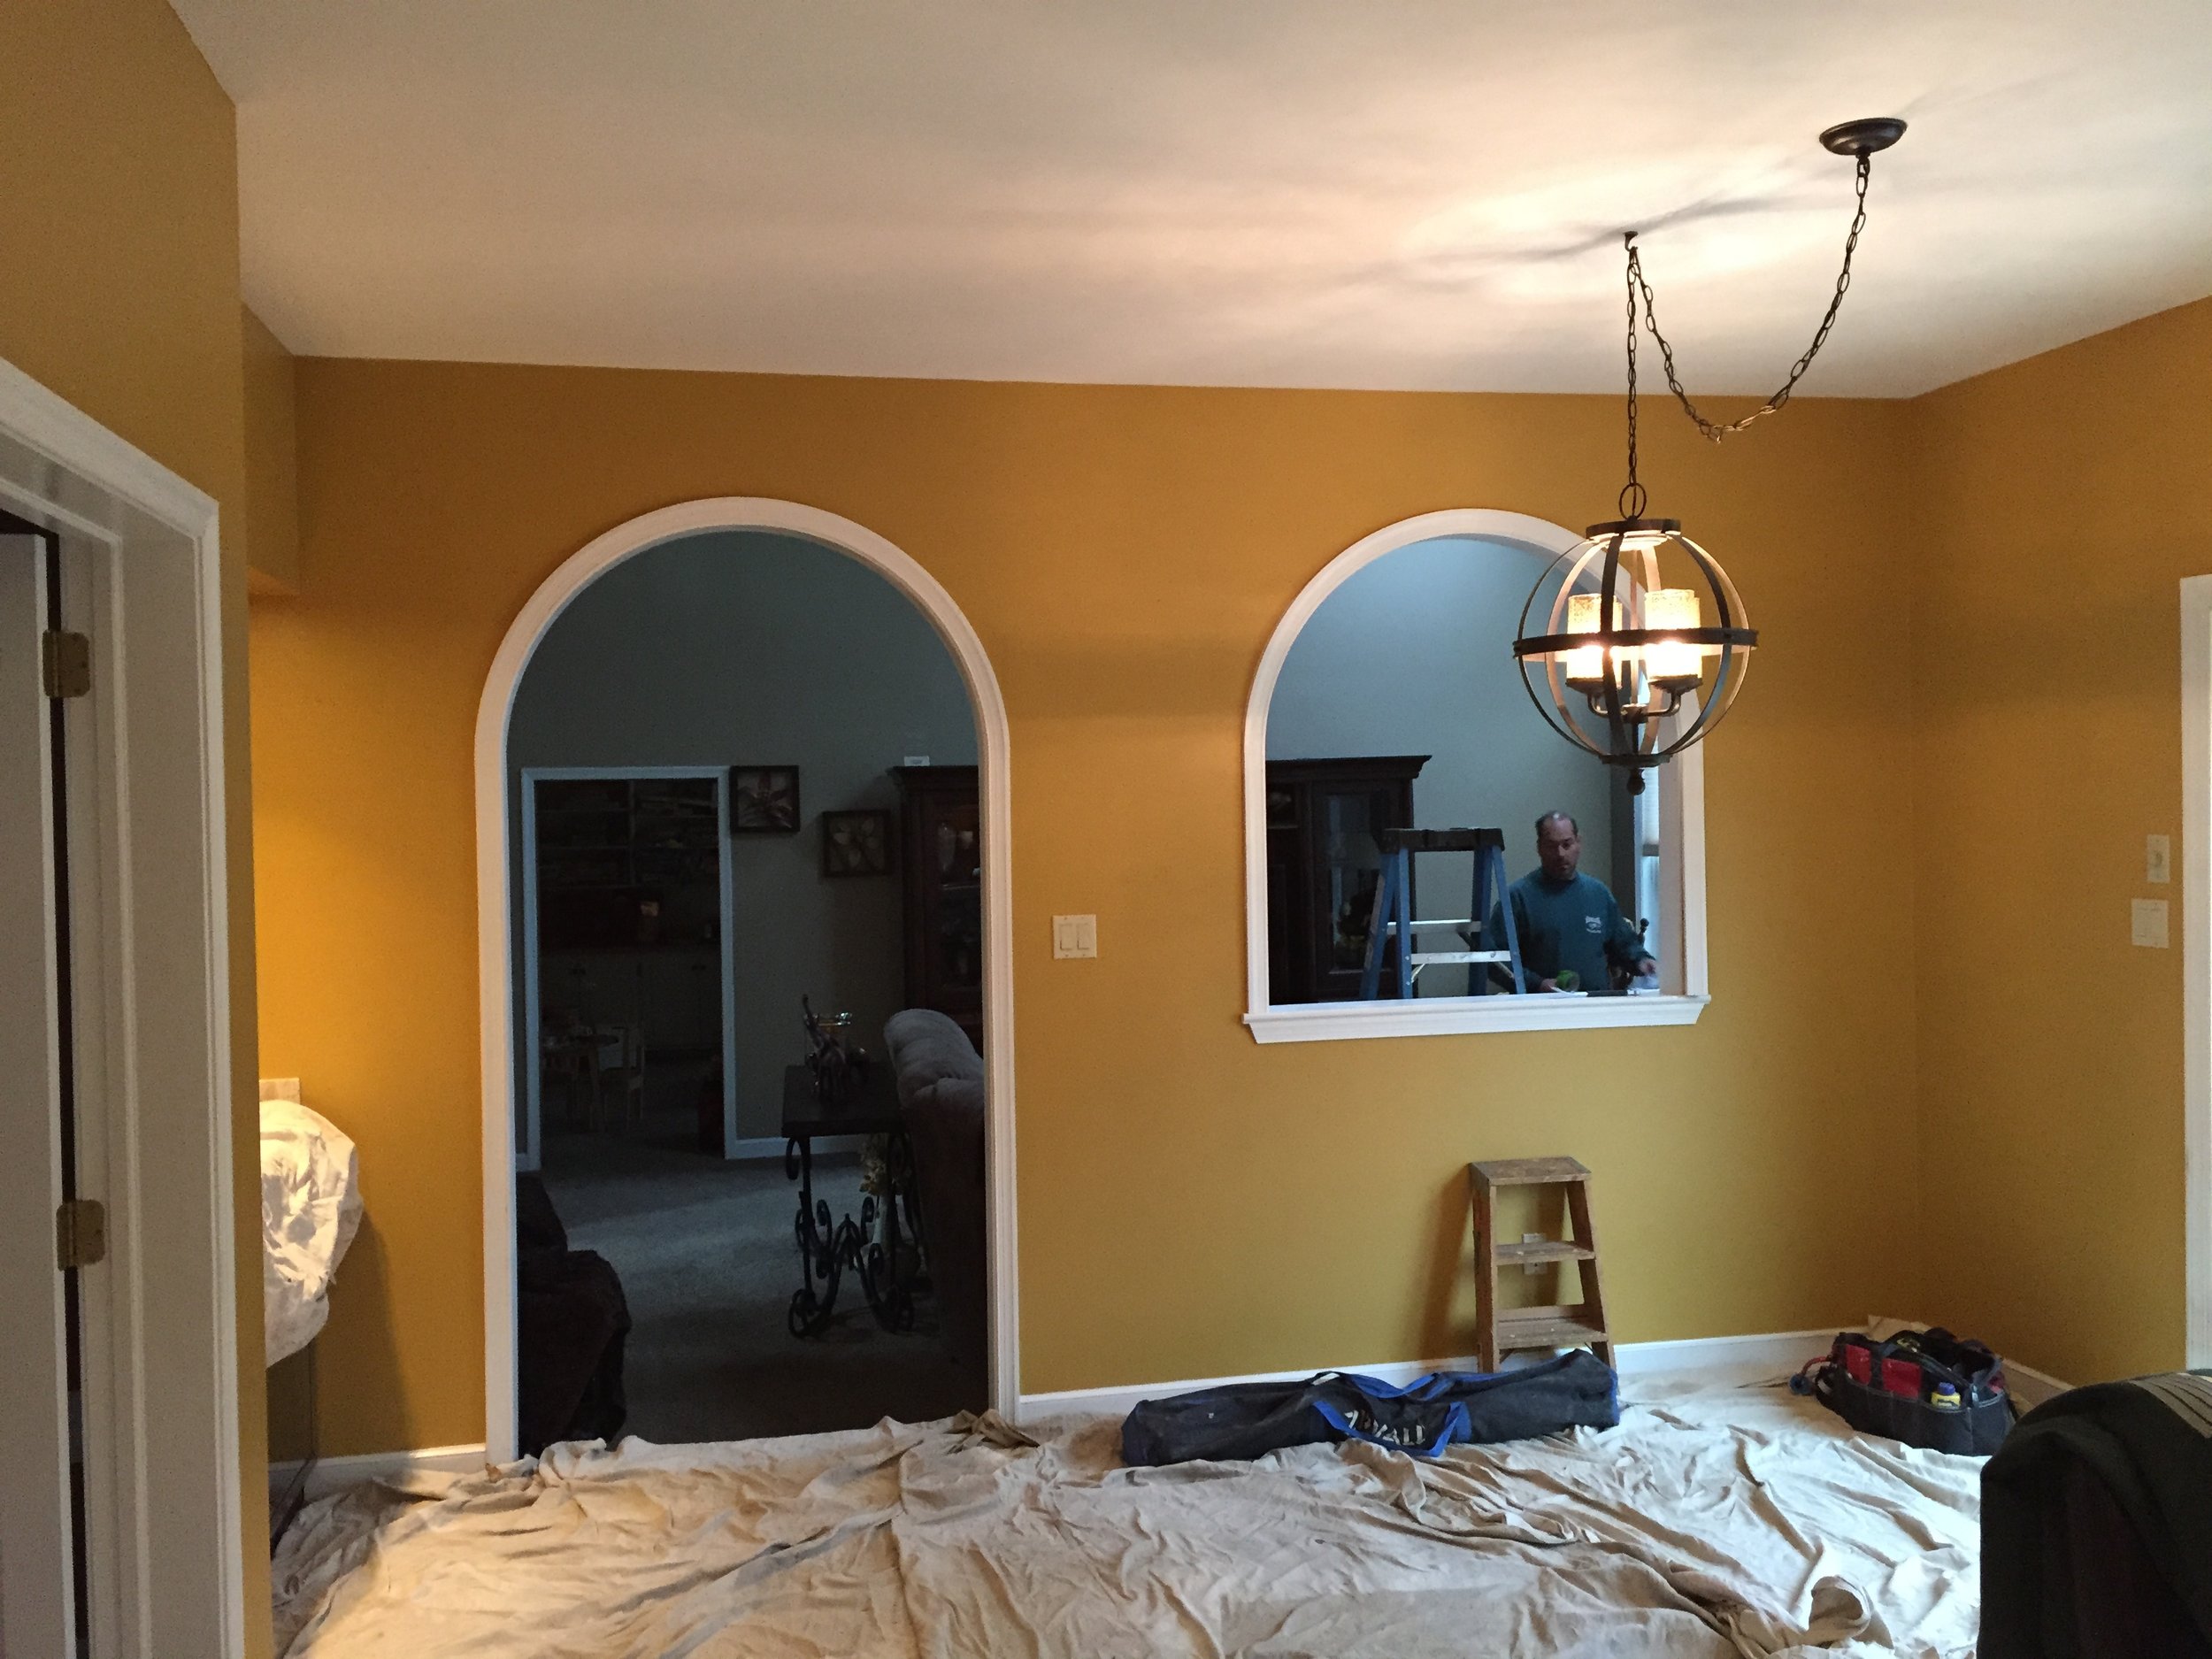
[1394, 902]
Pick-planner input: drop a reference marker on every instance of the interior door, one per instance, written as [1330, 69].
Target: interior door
[39, 1610]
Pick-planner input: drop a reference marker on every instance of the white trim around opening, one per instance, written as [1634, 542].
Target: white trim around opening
[1680, 783]
[495, 930]
[2196, 956]
[157, 1424]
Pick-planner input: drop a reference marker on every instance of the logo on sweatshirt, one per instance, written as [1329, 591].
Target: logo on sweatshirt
[1593, 924]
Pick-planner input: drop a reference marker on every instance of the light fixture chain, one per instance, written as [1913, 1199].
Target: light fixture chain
[1632, 498]
[1717, 430]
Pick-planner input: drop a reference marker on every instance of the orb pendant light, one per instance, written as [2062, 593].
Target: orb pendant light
[1634, 642]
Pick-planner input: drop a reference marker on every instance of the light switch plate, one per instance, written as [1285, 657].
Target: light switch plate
[2148, 917]
[1531, 1269]
[1074, 936]
[2158, 859]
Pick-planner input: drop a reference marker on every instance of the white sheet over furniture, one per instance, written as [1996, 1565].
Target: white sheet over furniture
[1708, 1524]
[311, 1205]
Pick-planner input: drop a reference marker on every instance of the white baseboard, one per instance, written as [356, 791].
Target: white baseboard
[1750, 1357]
[754, 1148]
[2030, 1386]
[1720, 1359]
[329, 1474]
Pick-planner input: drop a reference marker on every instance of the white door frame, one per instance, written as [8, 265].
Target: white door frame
[149, 842]
[494, 930]
[2196, 956]
[528, 1154]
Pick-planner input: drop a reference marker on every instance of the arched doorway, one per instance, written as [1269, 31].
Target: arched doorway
[496, 916]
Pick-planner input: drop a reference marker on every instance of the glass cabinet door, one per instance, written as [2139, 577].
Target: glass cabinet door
[940, 865]
[956, 920]
[1351, 869]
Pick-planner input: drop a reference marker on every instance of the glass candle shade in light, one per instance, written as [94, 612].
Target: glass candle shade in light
[1675, 663]
[1586, 663]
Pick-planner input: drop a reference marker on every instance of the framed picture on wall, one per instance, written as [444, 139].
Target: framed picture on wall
[765, 800]
[856, 844]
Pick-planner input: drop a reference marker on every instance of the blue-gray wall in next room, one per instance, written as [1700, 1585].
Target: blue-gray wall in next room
[748, 648]
[1413, 656]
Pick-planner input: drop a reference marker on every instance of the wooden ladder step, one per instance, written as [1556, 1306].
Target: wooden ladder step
[1545, 1250]
[1530, 1171]
[1547, 1327]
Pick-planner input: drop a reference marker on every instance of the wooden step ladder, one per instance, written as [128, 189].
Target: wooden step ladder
[1501, 1331]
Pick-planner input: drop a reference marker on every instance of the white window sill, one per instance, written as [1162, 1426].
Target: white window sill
[1446, 1016]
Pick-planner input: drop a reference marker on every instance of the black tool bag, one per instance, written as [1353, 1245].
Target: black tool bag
[1902, 1388]
[1241, 1420]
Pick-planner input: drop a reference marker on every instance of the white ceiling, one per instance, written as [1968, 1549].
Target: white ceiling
[1392, 193]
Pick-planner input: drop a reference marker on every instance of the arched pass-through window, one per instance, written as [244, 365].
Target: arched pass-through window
[1388, 692]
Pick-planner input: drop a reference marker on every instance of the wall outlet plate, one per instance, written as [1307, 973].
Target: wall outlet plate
[2158, 859]
[2147, 920]
[1531, 1269]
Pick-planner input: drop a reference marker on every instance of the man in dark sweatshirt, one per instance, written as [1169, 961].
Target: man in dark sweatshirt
[1566, 921]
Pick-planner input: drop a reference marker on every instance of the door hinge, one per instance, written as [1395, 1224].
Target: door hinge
[68, 664]
[81, 1233]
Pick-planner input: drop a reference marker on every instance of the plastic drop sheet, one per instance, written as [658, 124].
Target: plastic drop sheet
[311, 1206]
[1708, 1525]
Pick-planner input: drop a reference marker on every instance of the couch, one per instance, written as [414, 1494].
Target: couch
[940, 1079]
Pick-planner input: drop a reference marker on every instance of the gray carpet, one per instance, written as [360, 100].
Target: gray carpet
[708, 1262]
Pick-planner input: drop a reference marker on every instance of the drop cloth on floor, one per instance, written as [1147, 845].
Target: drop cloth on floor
[1714, 1523]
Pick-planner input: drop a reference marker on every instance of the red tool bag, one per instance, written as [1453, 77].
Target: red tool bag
[1923, 1387]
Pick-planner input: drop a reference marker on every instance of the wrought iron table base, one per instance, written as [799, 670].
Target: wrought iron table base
[828, 1246]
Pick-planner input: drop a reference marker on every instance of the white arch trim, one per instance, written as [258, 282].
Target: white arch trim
[494, 922]
[1681, 785]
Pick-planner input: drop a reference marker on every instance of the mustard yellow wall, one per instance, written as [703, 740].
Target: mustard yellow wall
[273, 506]
[2063, 501]
[118, 202]
[1190, 1203]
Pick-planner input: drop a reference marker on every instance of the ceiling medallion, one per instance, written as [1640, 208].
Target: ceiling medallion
[1645, 641]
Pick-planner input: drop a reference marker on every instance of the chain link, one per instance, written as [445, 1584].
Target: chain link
[1632, 496]
[1712, 429]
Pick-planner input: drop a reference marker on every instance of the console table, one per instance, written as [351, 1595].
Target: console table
[828, 1246]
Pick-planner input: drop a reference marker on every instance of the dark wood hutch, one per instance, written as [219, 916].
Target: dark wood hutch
[940, 870]
[1323, 868]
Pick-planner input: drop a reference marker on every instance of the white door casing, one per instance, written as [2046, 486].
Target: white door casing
[2196, 961]
[150, 983]
[496, 931]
